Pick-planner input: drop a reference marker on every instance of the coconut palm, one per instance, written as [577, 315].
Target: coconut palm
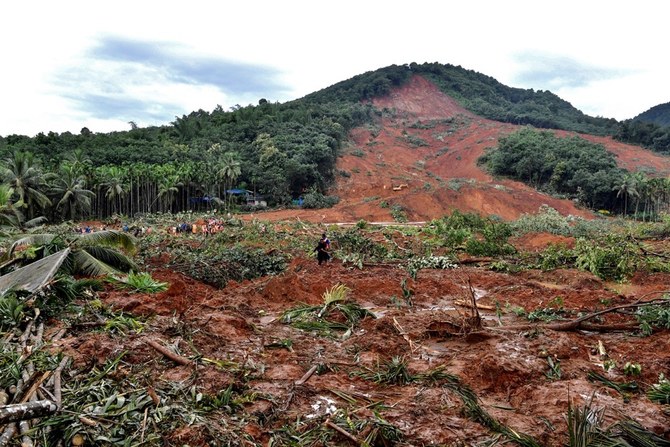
[229, 170]
[168, 188]
[92, 254]
[9, 214]
[79, 161]
[627, 187]
[22, 173]
[114, 187]
[71, 197]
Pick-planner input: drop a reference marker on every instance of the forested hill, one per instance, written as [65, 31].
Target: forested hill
[650, 129]
[280, 150]
[659, 115]
[481, 94]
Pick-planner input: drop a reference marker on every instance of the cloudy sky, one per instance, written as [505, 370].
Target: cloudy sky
[101, 64]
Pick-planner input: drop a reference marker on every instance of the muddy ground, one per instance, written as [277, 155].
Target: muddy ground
[417, 320]
[420, 155]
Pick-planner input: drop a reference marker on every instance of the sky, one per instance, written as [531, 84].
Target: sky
[104, 64]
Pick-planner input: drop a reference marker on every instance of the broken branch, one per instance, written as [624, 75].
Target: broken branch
[307, 375]
[169, 354]
[28, 410]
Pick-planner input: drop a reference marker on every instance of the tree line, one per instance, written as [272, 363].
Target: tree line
[578, 169]
[280, 151]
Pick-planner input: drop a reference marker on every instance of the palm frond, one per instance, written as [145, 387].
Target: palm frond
[35, 222]
[91, 265]
[113, 258]
[31, 239]
[108, 238]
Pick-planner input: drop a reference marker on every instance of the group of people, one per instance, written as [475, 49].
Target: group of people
[211, 226]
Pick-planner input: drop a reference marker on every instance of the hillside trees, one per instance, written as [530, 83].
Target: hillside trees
[646, 134]
[571, 166]
[579, 169]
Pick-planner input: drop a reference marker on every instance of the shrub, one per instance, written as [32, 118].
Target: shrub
[398, 213]
[315, 200]
[611, 257]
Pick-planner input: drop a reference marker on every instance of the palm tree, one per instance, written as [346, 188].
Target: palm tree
[9, 215]
[24, 176]
[628, 188]
[69, 188]
[168, 188]
[78, 160]
[229, 170]
[92, 254]
[115, 188]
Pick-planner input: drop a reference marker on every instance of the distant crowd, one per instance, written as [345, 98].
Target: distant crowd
[210, 226]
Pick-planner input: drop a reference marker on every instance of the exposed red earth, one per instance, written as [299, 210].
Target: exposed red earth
[506, 369]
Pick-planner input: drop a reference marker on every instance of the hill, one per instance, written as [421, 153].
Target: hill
[400, 142]
[427, 141]
[659, 115]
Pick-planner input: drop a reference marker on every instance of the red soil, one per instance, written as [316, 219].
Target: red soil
[441, 173]
[505, 368]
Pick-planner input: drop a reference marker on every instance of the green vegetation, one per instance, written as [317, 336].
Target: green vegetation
[139, 282]
[277, 150]
[471, 233]
[660, 392]
[571, 166]
[226, 263]
[324, 320]
[650, 129]
[576, 168]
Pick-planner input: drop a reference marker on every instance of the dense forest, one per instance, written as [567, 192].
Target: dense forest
[281, 151]
[659, 115]
[645, 134]
[577, 169]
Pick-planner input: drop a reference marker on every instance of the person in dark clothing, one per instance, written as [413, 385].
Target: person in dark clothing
[321, 249]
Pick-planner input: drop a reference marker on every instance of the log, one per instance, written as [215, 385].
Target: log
[36, 383]
[7, 434]
[57, 381]
[307, 375]
[342, 431]
[169, 354]
[581, 322]
[28, 410]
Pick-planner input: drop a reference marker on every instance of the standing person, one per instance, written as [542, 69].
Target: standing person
[322, 248]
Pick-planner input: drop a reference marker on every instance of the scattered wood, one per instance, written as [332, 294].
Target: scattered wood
[24, 429]
[27, 410]
[342, 431]
[401, 331]
[7, 434]
[169, 354]
[307, 375]
[464, 303]
[57, 380]
[154, 396]
[36, 382]
[581, 322]
[88, 421]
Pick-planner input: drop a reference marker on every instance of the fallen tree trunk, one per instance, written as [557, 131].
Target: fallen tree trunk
[581, 322]
[28, 410]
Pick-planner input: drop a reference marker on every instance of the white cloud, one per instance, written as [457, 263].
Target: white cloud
[49, 66]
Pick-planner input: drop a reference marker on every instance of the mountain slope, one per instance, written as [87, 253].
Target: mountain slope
[425, 140]
[659, 114]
